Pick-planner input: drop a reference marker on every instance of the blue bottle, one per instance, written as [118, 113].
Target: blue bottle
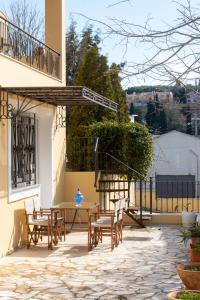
[78, 198]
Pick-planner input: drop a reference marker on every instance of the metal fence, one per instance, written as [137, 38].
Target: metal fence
[167, 196]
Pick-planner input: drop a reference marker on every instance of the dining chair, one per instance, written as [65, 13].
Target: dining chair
[106, 224]
[41, 224]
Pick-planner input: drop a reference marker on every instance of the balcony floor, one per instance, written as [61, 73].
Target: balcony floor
[142, 267]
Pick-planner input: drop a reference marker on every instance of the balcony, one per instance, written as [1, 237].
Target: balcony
[21, 46]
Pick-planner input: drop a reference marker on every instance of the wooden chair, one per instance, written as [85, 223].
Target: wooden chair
[40, 224]
[106, 224]
[38, 210]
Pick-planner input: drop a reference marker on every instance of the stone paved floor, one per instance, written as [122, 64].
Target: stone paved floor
[143, 267]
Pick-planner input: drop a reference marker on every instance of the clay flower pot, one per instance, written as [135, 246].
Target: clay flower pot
[190, 278]
[194, 255]
[175, 294]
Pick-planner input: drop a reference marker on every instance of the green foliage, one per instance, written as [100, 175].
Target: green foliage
[156, 117]
[196, 247]
[72, 45]
[132, 109]
[130, 142]
[187, 295]
[174, 120]
[192, 268]
[92, 70]
[119, 95]
[187, 234]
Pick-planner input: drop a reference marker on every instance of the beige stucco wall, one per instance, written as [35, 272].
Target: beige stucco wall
[55, 29]
[11, 215]
[85, 182]
[16, 74]
[59, 154]
[12, 229]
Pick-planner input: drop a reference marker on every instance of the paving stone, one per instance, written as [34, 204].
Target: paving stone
[135, 270]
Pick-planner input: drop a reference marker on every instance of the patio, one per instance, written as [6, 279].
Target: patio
[142, 267]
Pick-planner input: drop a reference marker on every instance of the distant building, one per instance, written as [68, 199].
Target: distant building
[192, 97]
[141, 99]
[176, 154]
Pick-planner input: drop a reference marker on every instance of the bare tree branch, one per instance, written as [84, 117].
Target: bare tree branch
[119, 2]
[27, 17]
[173, 52]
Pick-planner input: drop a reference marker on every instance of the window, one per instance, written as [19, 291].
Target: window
[23, 151]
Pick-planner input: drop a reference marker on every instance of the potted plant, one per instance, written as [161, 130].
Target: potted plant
[188, 217]
[184, 295]
[190, 275]
[195, 251]
[192, 234]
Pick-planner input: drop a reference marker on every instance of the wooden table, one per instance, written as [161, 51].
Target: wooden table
[66, 207]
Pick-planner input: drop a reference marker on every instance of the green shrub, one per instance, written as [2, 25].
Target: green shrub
[131, 143]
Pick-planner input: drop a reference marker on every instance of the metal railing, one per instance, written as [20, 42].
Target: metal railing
[19, 45]
[167, 196]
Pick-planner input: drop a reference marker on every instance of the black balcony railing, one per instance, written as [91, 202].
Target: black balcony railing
[18, 44]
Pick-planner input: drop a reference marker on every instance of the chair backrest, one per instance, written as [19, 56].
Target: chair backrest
[29, 209]
[28, 206]
[36, 203]
[119, 208]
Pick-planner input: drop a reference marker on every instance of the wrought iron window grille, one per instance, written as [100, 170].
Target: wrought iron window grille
[7, 110]
[23, 151]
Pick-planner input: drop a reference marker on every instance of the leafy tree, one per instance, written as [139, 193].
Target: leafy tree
[87, 42]
[93, 72]
[174, 120]
[134, 149]
[131, 109]
[72, 46]
[163, 122]
[189, 123]
[151, 115]
[119, 94]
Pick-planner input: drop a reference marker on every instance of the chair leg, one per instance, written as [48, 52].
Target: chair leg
[112, 239]
[50, 237]
[27, 237]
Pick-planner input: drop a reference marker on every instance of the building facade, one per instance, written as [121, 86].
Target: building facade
[33, 100]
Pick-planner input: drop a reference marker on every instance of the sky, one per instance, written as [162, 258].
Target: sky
[161, 12]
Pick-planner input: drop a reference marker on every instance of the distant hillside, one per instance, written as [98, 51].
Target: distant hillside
[160, 88]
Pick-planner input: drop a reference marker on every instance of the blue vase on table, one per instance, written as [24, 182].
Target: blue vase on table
[78, 198]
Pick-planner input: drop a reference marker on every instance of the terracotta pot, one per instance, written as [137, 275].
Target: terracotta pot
[191, 279]
[173, 295]
[194, 240]
[194, 255]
